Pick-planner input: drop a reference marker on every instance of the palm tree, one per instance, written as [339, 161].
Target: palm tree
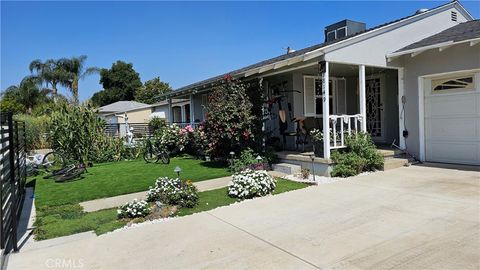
[27, 93]
[75, 68]
[51, 73]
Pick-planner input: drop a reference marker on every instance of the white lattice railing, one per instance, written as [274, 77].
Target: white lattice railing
[340, 125]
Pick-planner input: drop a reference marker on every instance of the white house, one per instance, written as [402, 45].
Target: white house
[414, 81]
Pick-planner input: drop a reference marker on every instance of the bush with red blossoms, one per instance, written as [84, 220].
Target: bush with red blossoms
[229, 122]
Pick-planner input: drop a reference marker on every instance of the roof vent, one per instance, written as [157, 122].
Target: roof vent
[422, 10]
[290, 50]
[453, 16]
[342, 29]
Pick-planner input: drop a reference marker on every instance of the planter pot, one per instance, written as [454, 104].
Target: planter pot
[318, 149]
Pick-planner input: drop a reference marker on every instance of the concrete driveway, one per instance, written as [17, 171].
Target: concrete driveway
[407, 218]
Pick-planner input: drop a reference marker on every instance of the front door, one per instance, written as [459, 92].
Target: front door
[374, 101]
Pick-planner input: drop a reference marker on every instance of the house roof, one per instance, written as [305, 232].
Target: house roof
[174, 101]
[461, 32]
[300, 52]
[122, 106]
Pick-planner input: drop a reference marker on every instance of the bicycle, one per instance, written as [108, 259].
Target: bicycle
[154, 152]
[53, 161]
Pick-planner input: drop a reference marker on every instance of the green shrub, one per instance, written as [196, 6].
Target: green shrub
[359, 156]
[247, 158]
[347, 164]
[157, 123]
[173, 192]
[79, 134]
[249, 183]
[36, 129]
[134, 209]
[10, 105]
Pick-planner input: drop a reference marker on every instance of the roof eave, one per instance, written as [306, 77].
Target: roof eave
[337, 45]
[441, 46]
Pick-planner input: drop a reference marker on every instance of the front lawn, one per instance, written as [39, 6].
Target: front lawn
[123, 177]
[61, 220]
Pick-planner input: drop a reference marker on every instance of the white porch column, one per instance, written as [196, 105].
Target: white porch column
[170, 111]
[362, 97]
[192, 110]
[401, 104]
[325, 112]
[183, 114]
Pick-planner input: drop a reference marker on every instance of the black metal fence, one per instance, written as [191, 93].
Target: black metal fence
[13, 178]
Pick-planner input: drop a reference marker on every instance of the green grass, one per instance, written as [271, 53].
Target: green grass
[117, 178]
[61, 220]
[215, 198]
[56, 221]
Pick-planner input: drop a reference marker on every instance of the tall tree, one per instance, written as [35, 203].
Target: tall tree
[151, 89]
[27, 93]
[119, 83]
[76, 71]
[51, 73]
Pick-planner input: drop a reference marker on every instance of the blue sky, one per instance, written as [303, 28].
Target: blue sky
[182, 42]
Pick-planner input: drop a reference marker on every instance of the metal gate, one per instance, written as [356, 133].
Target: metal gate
[13, 178]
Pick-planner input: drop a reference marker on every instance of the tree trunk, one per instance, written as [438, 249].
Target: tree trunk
[54, 93]
[75, 91]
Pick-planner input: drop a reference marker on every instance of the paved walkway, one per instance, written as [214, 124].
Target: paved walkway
[407, 218]
[105, 203]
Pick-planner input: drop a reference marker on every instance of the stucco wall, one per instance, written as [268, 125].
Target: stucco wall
[164, 109]
[373, 51]
[456, 58]
[139, 116]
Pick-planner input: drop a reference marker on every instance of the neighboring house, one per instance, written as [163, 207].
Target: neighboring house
[137, 112]
[142, 113]
[180, 111]
[414, 81]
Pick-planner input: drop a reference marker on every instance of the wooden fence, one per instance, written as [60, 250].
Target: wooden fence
[13, 178]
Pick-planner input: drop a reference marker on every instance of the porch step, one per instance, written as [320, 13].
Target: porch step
[389, 153]
[287, 168]
[393, 163]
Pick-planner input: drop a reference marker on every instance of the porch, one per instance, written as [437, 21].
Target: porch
[357, 98]
[360, 98]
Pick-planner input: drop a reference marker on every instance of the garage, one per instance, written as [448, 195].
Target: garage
[452, 118]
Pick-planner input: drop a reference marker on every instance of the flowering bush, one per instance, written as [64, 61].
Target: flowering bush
[229, 124]
[249, 183]
[174, 192]
[198, 141]
[171, 137]
[134, 209]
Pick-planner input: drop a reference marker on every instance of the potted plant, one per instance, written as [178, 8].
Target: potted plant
[317, 140]
[305, 173]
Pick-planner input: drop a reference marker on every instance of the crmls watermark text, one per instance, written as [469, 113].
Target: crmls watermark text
[65, 263]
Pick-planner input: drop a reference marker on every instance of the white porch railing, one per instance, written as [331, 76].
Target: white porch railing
[341, 125]
[185, 124]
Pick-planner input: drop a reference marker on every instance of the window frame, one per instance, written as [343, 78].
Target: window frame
[437, 81]
[332, 95]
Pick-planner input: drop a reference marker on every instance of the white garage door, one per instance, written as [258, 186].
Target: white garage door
[452, 119]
